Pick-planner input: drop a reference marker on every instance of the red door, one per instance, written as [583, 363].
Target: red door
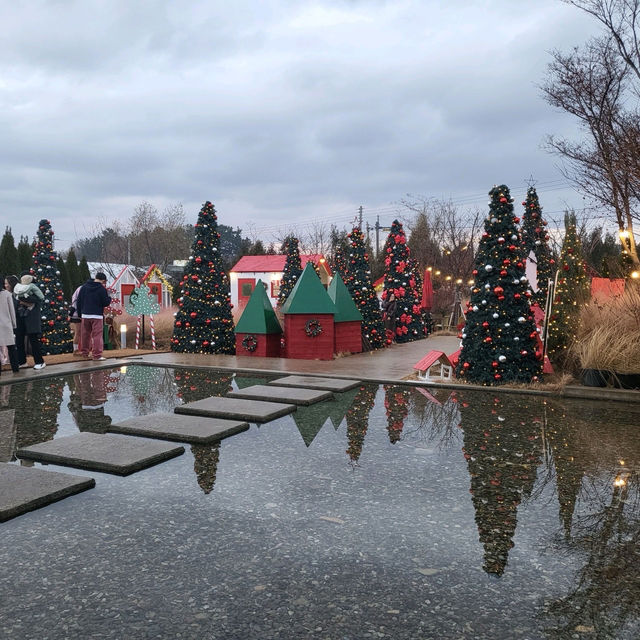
[245, 289]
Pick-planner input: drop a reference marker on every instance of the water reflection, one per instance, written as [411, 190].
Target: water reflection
[396, 404]
[358, 420]
[88, 396]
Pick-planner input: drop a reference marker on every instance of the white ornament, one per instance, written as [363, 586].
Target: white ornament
[487, 286]
[507, 324]
[496, 315]
[475, 307]
[484, 302]
[488, 267]
[521, 319]
[494, 219]
[464, 335]
[502, 358]
[523, 279]
[514, 237]
[500, 419]
[516, 339]
[500, 239]
[538, 242]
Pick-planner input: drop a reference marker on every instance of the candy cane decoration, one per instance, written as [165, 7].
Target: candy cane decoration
[153, 333]
[138, 331]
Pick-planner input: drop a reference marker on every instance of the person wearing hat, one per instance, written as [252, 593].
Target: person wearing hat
[28, 322]
[90, 304]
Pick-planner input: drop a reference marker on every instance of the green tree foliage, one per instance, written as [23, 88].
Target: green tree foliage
[424, 248]
[142, 303]
[292, 268]
[61, 272]
[83, 271]
[603, 254]
[499, 340]
[73, 271]
[357, 278]
[204, 323]
[25, 254]
[572, 292]
[56, 333]
[399, 280]
[535, 239]
[9, 264]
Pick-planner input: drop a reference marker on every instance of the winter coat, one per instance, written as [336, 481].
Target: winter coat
[92, 299]
[29, 319]
[7, 319]
[389, 308]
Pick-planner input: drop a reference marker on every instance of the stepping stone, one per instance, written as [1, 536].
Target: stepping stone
[315, 382]
[24, 489]
[110, 453]
[181, 428]
[270, 393]
[236, 409]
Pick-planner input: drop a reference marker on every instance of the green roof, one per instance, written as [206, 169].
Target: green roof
[346, 309]
[258, 316]
[309, 296]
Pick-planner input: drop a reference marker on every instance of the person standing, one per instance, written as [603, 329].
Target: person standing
[389, 310]
[29, 324]
[91, 301]
[8, 324]
[75, 322]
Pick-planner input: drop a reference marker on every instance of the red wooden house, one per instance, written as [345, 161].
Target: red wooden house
[258, 330]
[347, 319]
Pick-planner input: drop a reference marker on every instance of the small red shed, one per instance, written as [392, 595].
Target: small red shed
[308, 319]
[258, 330]
[347, 319]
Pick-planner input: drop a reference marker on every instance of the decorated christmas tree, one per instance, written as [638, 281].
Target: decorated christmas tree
[399, 280]
[499, 340]
[535, 241]
[358, 420]
[396, 404]
[292, 269]
[572, 291]
[358, 281]
[56, 333]
[340, 262]
[204, 323]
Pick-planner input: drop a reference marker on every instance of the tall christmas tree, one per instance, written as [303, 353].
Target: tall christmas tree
[292, 269]
[572, 291]
[204, 323]
[358, 281]
[56, 333]
[500, 337]
[535, 241]
[399, 280]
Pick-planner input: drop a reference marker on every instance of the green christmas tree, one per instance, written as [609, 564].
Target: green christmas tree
[500, 337]
[25, 254]
[73, 272]
[204, 323]
[358, 420]
[399, 280]
[340, 262]
[64, 279]
[83, 271]
[535, 239]
[56, 334]
[292, 269]
[142, 303]
[572, 291]
[9, 264]
[358, 280]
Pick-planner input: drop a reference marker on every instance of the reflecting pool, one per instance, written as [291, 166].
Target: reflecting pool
[389, 512]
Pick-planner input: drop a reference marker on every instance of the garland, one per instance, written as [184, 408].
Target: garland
[313, 328]
[250, 343]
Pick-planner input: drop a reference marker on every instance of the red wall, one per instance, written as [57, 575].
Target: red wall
[299, 345]
[268, 345]
[348, 337]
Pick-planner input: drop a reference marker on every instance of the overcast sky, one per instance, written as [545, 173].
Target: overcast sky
[275, 110]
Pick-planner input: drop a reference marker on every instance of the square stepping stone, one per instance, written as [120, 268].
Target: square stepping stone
[315, 382]
[180, 428]
[236, 409]
[292, 395]
[24, 489]
[109, 452]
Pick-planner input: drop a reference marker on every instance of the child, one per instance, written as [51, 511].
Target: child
[25, 290]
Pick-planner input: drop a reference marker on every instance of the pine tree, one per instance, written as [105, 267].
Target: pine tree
[340, 262]
[83, 271]
[358, 420]
[535, 239]
[56, 333]
[398, 279]
[292, 269]
[73, 272]
[500, 337]
[572, 291]
[64, 279]
[9, 264]
[25, 254]
[204, 323]
[358, 281]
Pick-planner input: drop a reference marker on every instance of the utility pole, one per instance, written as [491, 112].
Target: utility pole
[360, 214]
[378, 228]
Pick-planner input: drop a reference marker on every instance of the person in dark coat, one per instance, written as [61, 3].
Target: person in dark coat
[92, 299]
[389, 309]
[29, 325]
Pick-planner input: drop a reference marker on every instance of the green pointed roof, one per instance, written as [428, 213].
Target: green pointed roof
[309, 296]
[339, 406]
[258, 316]
[346, 309]
[310, 420]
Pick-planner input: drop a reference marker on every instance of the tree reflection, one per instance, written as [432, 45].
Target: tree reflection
[358, 420]
[206, 457]
[88, 397]
[436, 416]
[502, 448]
[396, 404]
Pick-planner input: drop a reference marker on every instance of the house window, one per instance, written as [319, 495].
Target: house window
[275, 288]
[246, 289]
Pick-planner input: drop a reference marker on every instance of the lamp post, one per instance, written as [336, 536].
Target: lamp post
[123, 336]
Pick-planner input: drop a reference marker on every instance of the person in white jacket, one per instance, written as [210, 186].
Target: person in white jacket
[8, 324]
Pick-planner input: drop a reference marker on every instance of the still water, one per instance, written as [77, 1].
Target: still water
[388, 512]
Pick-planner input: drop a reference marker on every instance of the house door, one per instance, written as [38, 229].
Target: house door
[245, 289]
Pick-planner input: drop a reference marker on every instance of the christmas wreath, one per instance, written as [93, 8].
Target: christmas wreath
[313, 328]
[250, 343]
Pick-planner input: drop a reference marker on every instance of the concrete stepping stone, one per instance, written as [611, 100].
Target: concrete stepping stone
[292, 395]
[236, 409]
[24, 489]
[109, 452]
[180, 428]
[315, 382]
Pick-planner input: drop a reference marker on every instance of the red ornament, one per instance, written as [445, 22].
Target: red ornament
[497, 376]
[516, 296]
[193, 314]
[503, 273]
[198, 259]
[475, 272]
[494, 364]
[465, 365]
[498, 290]
[503, 199]
[485, 324]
